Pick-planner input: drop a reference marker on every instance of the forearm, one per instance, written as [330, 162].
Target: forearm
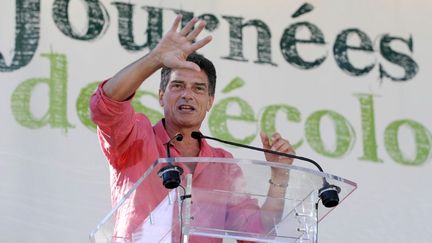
[273, 207]
[128, 80]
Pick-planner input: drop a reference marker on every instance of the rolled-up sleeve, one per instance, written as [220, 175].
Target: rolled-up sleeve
[120, 129]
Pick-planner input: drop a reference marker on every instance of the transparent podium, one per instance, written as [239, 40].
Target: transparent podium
[231, 199]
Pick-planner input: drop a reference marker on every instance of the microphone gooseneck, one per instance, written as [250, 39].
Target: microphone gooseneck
[199, 135]
[170, 174]
[328, 193]
[178, 137]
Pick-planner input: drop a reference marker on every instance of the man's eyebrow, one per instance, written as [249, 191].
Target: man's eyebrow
[195, 83]
[201, 84]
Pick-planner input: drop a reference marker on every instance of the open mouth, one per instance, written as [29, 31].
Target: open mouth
[186, 108]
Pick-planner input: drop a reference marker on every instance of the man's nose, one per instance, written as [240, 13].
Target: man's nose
[187, 94]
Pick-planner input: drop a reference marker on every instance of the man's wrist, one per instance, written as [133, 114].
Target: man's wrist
[278, 184]
[156, 58]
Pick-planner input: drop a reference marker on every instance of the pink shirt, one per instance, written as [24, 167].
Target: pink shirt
[131, 144]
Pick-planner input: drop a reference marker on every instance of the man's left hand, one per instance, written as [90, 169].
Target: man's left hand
[279, 144]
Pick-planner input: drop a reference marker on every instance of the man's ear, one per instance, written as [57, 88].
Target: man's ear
[210, 103]
[161, 94]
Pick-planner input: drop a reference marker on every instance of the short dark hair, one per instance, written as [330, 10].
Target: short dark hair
[205, 64]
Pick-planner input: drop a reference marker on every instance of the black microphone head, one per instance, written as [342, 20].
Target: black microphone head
[196, 135]
[179, 137]
[170, 176]
[329, 195]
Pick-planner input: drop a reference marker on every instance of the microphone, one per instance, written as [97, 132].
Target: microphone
[328, 193]
[170, 174]
[178, 137]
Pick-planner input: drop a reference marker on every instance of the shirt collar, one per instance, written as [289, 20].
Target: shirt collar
[161, 133]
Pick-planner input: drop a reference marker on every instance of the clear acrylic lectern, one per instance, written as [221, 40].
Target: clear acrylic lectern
[226, 198]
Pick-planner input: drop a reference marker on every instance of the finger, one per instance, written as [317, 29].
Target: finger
[189, 65]
[176, 23]
[284, 148]
[199, 44]
[194, 33]
[188, 26]
[276, 136]
[265, 140]
[279, 144]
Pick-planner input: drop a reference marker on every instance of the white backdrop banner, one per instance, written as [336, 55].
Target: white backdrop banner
[348, 82]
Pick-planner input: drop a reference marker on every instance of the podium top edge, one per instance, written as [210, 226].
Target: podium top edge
[242, 161]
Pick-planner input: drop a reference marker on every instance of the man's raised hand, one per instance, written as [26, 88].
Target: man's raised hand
[175, 46]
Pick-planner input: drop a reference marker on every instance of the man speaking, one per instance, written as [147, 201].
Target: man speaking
[131, 144]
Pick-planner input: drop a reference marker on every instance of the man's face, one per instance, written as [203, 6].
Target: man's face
[186, 99]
